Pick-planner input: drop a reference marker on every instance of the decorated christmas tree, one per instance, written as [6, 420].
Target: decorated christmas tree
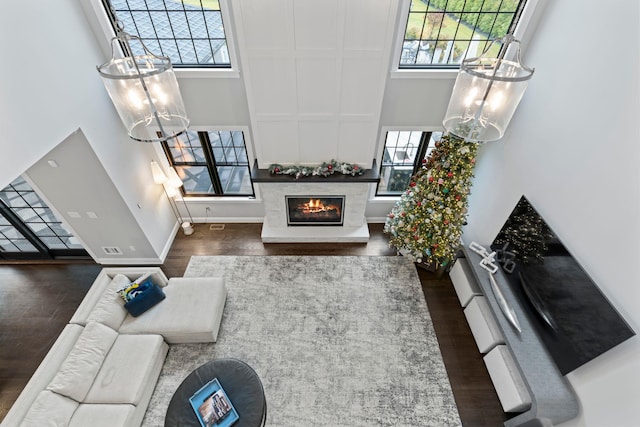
[426, 223]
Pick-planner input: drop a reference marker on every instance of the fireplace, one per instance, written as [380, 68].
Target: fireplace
[276, 226]
[315, 210]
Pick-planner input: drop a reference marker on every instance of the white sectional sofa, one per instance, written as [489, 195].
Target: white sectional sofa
[191, 312]
[103, 368]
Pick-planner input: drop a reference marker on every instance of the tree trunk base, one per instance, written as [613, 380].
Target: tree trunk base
[433, 267]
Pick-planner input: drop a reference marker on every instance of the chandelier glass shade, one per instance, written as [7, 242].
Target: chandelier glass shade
[145, 92]
[486, 94]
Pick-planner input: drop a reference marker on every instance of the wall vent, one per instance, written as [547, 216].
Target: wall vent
[216, 227]
[112, 250]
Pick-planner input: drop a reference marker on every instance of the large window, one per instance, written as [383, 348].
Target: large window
[403, 154]
[30, 229]
[441, 33]
[212, 163]
[190, 32]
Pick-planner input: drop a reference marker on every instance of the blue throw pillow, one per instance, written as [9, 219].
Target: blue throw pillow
[144, 300]
[129, 292]
[134, 291]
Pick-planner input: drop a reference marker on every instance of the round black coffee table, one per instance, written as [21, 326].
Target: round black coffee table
[239, 381]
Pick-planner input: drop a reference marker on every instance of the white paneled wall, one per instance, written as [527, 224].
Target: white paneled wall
[315, 74]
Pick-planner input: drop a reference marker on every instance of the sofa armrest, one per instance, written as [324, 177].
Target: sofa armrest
[47, 369]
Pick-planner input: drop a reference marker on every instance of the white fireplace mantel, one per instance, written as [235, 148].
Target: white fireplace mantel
[276, 230]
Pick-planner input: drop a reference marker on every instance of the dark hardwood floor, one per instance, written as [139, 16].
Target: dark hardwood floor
[36, 301]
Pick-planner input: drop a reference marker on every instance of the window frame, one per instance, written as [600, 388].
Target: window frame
[524, 30]
[101, 24]
[42, 250]
[210, 163]
[423, 150]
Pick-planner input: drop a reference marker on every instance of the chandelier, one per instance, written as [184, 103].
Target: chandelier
[144, 90]
[486, 94]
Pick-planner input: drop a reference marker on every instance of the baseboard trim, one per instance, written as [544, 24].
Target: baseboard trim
[169, 242]
[129, 261]
[229, 219]
[260, 219]
[377, 219]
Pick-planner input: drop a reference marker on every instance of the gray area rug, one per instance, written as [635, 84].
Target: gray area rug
[337, 341]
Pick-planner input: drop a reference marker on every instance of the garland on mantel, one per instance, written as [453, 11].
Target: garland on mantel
[325, 169]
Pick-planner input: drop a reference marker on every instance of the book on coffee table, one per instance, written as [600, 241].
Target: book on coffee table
[212, 406]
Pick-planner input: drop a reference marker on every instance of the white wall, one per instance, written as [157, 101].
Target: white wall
[418, 101]
[573, 150]
[51, 88]
[86, 199]
[314, 76]
[220, 101]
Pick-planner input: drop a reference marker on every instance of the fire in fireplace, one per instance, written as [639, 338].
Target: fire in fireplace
[315, 210]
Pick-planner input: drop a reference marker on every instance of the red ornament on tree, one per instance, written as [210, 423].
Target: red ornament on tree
[449, 175]
[276, 170]
[330, 167]
[412, 184]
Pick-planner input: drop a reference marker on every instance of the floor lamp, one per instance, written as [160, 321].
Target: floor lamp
[171, 191]
[176, 182]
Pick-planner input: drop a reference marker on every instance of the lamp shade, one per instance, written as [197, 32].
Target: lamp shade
[173, 178]
[485, 96]
[145, 92]
[158, 176]
[171, 191]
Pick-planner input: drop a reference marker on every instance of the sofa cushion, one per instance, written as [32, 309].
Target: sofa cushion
[43, 375]
[82, 364]
[191, 312]
[129, 367]
[103, 415]
[109, 310]
[50, 409]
